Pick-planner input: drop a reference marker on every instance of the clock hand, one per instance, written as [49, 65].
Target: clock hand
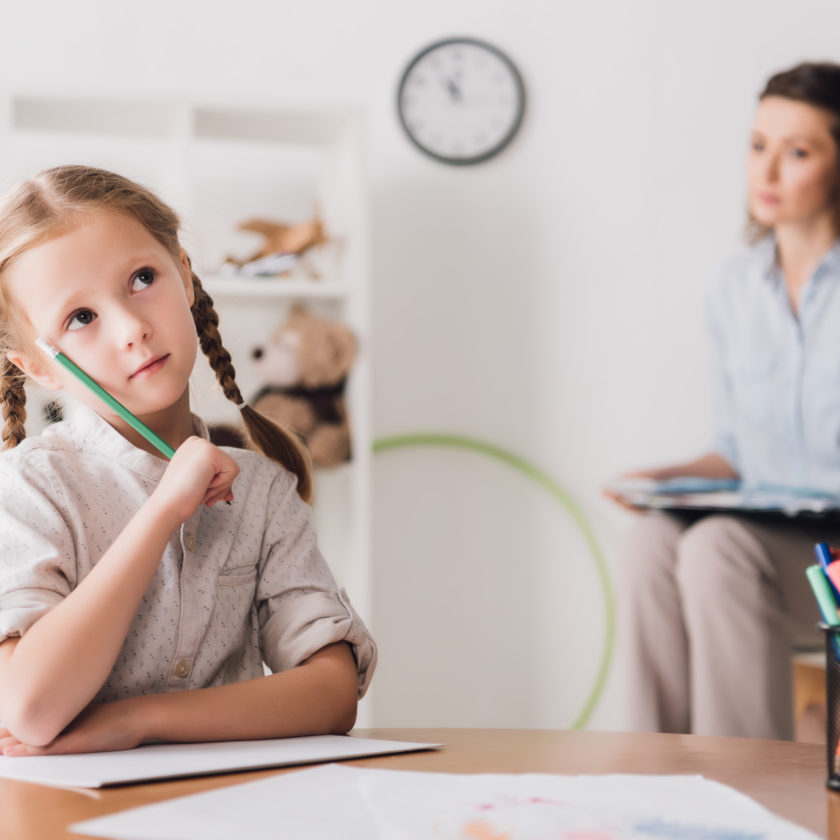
[454, 90]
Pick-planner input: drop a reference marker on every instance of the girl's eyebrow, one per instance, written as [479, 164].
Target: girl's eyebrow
[61, 308]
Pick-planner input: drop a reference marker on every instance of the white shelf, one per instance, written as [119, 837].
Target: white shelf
[252, 288]
[93, 117]
[217, 164]
[303, 127]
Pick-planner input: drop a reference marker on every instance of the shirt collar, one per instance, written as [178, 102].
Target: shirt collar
[832, 257]
[768, 264]
[766, 260]
[95, 435]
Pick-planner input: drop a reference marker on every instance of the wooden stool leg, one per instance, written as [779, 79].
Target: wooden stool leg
[809, 698]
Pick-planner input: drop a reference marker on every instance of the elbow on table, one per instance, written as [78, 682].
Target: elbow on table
[345, 717]
[338, 713]
[32, 721]
[336, 685]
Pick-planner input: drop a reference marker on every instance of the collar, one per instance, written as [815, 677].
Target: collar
[832, 257]
[92, 434]
[766, 258]
[767, 262]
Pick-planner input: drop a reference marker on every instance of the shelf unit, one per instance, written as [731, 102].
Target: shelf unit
[218, 164]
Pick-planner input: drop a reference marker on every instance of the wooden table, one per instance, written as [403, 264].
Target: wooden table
[787, 778]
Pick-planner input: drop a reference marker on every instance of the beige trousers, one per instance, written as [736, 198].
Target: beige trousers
[709, 611]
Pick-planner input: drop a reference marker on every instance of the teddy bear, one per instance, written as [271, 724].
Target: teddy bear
[303, 367]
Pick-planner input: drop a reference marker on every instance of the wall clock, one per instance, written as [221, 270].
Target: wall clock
[461, 101]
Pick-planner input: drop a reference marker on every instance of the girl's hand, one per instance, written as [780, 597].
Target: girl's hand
[199, 473]
[99, 728]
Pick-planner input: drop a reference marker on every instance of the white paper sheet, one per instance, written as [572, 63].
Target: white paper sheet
[350, 803]
[536, 807]
[314, 804]
[166, 761]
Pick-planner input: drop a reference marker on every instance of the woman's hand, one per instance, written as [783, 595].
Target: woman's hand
[199, 473]
[652, 474]
[711, 465]
[102, 727]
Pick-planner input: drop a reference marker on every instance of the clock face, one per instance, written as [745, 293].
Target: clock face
[461, 101]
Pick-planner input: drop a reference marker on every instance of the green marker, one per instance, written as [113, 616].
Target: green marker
[827, 604]
[822, 592]
[100, 392]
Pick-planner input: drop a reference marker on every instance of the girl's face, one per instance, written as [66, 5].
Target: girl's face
[792, 169]
[111, 298]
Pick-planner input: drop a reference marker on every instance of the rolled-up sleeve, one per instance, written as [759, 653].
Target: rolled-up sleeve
[305, 622]
[300, 607]
[37, 567]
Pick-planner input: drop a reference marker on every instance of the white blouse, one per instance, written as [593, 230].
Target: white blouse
[238, 585]
[776, 371]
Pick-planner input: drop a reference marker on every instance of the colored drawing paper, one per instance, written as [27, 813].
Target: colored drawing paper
[369, 804]
[167, 761]
[540, 806]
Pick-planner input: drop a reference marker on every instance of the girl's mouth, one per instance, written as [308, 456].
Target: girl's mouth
[150, 367]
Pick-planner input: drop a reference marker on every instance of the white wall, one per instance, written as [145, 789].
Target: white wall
[548, 301]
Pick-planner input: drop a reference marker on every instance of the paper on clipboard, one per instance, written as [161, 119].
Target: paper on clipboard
[701, 494]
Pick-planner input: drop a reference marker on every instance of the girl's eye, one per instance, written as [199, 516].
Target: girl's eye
[81, 319]
[142, 279]
[798, 153]
[757, 146]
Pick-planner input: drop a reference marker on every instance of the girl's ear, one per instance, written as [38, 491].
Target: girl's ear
[186, 277]
[35, 369]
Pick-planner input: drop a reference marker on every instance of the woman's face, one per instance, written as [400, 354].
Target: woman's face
[792, 168]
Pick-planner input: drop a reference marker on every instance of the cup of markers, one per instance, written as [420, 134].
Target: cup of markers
[825, 582]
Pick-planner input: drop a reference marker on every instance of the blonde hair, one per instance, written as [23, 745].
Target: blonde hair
[53, 201]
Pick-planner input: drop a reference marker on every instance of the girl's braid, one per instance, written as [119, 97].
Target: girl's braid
[207, 325]
[281, 445]
[13, 399]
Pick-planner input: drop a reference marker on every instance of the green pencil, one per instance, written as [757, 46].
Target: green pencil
[100, 392]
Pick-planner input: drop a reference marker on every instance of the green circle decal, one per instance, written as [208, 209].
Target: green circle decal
[438, 439]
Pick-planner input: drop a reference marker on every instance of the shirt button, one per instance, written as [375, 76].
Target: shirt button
[190, 541]
[182, 668]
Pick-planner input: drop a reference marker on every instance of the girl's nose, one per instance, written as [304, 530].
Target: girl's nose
[133, 327]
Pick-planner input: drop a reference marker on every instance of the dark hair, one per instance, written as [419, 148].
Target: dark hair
[815, 83]
[53, 201]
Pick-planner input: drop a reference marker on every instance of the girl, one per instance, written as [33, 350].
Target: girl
[712, 607]
[133, 606]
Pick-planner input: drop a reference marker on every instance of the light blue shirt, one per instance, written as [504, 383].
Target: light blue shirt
[777, 375]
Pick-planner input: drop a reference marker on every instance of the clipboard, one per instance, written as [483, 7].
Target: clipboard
[704, 495]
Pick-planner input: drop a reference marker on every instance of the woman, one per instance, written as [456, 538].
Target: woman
[710, 608]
